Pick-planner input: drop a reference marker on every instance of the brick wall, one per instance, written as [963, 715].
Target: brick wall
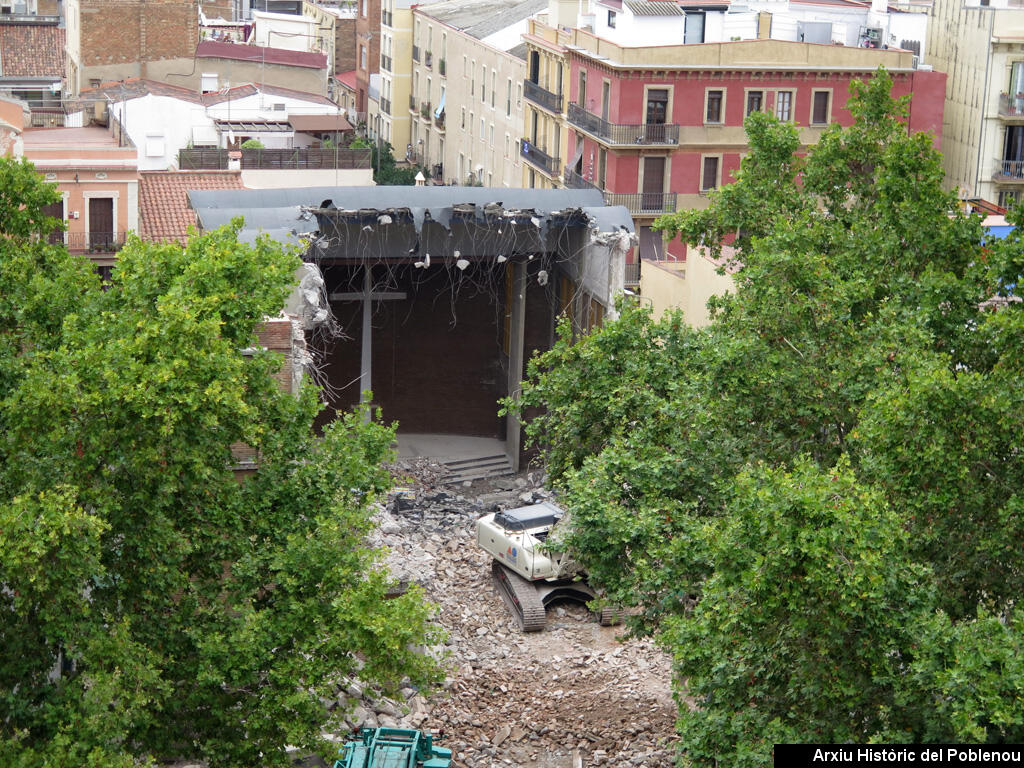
[344, 45]
[438, 363]
[368, 35]
[130, 31]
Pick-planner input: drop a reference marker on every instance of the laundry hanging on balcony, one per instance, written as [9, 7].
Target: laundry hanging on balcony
[440, 107]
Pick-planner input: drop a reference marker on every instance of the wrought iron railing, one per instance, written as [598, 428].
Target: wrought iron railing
[547, 99]
[574, 181]
[622, 134]
[633, 274]
[412, 103]
[425, 110]
[1010, 170]
[439, 121]
[270, 159]
[428, 59]
[539, 157]
[652, 203]
[95, 242]
[1011, 105]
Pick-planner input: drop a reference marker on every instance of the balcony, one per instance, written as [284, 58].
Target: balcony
[539, 157]
[95, 242]
[616, 134]
[573, 180]
[1011, 107]
[643, 203]
[442, 67]
[550, 101]
[428, 59]
[272, 159]
[385, 106]
[416, 54]
[425, 110]
[633, 274]
[412, 103]
[385, 63]
[1009, 171]
[439, 121]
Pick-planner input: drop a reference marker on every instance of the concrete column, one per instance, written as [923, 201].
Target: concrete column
[517, 331]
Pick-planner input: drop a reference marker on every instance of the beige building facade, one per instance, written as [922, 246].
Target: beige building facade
[981, 48]
[466, 105]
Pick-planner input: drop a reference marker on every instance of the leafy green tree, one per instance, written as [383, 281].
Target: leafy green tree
[153, 605]
[857, 397]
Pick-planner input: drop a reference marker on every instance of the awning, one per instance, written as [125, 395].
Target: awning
[320, 123]
[440, 107]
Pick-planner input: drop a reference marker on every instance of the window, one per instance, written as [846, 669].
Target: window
[472, 77]
[465, 67]
[611, 19]
[494, 86]
[693, 27]
[519, 96]
[483, 84]
[581, 90]
[482, 134]
[713, 106]
[492, 135]
[602, 167]
[471, 125]
[755, 101]
[709, 174]
[463, 118]
[784, 105]
[819, 108]
[208, 84]
[362, 56]
[364, 9]
[508, 99]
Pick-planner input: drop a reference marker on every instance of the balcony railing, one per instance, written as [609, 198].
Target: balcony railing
[1009, 170]
[539, 157]
[442, 67]
[385, 63]
[425, 110]
[385, 106]
[633, 274]
[412, 103]
[428, 59]
[1011, 106]
[574, 181]
[416, 54]
[439, 121]
[271, 159]
[547, 99]
[649, 203]
[95, 242]
[621, 135]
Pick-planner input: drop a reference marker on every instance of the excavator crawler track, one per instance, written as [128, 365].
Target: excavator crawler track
[521, 598]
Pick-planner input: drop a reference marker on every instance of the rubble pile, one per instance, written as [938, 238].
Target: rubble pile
[570, 696]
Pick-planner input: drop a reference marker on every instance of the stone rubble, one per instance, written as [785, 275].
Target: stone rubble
[570, 696]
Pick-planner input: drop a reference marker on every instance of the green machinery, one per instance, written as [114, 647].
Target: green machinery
[393, 748]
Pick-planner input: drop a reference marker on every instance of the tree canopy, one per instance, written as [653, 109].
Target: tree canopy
[152, 605]
[815, 501]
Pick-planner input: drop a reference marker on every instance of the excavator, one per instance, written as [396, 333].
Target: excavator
[528, 575]
[393, 748]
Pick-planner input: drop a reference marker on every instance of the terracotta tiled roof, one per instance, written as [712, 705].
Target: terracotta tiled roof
[164, 214]
[213, 49]
[31, 51]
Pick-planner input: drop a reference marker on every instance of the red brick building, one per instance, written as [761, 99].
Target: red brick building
[367, 49]
[657, 138]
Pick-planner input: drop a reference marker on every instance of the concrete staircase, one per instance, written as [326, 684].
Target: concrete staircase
[477, 468]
